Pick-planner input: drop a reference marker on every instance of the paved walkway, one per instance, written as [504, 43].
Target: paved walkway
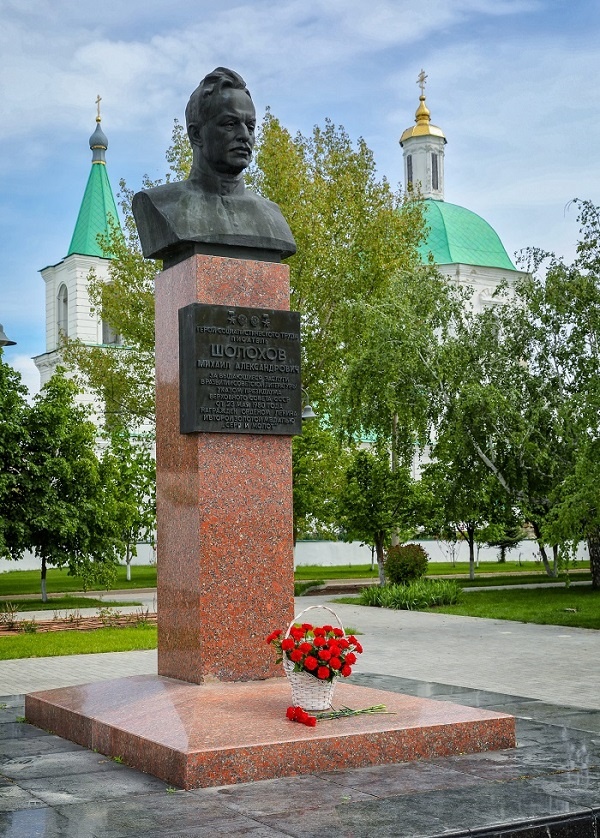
[548, 786]
[549, 663]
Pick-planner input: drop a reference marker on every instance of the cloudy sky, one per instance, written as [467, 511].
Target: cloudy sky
[514, 84]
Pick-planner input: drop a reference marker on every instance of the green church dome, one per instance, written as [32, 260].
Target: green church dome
[98, 203]
[457, 235]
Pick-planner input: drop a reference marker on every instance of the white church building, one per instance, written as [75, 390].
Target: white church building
[465, 248]
[68, 309]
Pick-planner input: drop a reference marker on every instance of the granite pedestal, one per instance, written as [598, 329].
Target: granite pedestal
[194, 736]
[224, 500]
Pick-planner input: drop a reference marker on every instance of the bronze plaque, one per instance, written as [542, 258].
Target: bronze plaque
[239, 370]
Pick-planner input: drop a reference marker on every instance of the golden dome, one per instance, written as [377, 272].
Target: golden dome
[423, 125]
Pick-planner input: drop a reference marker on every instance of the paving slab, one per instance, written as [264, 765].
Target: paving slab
[548, 787]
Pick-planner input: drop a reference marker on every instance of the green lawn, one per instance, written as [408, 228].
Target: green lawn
[18, 582]
[576, 606]
[533, 569]
[50, 644]
[62, 603]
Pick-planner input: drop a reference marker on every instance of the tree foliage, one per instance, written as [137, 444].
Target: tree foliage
[13, 440]
[69, 507]
[377, 502]
[59, 499]
[318, 466]
[354, 234]
[128, 462]
[519, 394]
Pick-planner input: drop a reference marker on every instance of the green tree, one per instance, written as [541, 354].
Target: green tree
[318, 467]
[13, 441]
[376, 502]
[129, 464]
[69, 509]
[468, 498]
[354, 234]
[520, 388]
[507, 539]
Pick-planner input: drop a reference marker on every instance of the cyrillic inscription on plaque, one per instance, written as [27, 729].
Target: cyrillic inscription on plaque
[239, 370]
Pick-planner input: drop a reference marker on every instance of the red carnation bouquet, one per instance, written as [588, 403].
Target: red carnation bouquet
[322, 651]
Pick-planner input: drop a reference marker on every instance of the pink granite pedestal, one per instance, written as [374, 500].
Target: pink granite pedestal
[224, 501]
[216, 734]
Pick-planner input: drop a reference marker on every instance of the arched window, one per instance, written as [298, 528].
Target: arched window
[435, 179]
[109, 336]
[63, 311]
[409, 170]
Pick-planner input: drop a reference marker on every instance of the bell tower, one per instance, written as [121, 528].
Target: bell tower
[423, 150]
[68, 312]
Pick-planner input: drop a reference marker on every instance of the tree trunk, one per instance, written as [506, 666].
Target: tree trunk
[471, 540]
[593, 543]
[542, 550]
[44, 591]
[380, 559]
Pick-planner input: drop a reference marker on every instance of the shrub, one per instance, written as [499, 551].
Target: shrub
[405, 563]
[424, 593]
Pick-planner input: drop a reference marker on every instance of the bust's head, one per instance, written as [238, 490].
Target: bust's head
[221, 121]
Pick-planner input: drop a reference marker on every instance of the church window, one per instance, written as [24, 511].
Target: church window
[63, 311]
[109, 336]
[409, 170]
[435, 179]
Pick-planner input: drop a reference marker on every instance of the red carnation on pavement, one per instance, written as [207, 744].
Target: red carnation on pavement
[287, 644]
[346, 670]
[296, 655]
[305, 647]
[335, 663]
[350, 658]
[323, 673]
[310, 662]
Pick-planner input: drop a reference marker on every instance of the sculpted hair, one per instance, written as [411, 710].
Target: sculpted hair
[198, 107]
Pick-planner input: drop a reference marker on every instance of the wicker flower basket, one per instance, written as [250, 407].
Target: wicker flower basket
[308, 691]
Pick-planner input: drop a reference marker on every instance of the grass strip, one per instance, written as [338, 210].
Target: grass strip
[17, 582]
[576, 607]
[63, 603]
[52, 644]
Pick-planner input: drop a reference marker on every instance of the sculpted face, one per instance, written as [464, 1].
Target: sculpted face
[226, 139]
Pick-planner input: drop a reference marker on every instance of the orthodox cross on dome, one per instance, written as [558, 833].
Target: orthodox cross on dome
[98, 100]
[421, 79]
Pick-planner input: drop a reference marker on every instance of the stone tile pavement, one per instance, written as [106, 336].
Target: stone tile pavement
[548, 787]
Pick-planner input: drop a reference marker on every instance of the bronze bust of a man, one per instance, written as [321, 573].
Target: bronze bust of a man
[212, 212]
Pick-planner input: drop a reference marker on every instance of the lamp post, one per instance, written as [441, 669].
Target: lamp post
[307, 411]
[4, 341]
